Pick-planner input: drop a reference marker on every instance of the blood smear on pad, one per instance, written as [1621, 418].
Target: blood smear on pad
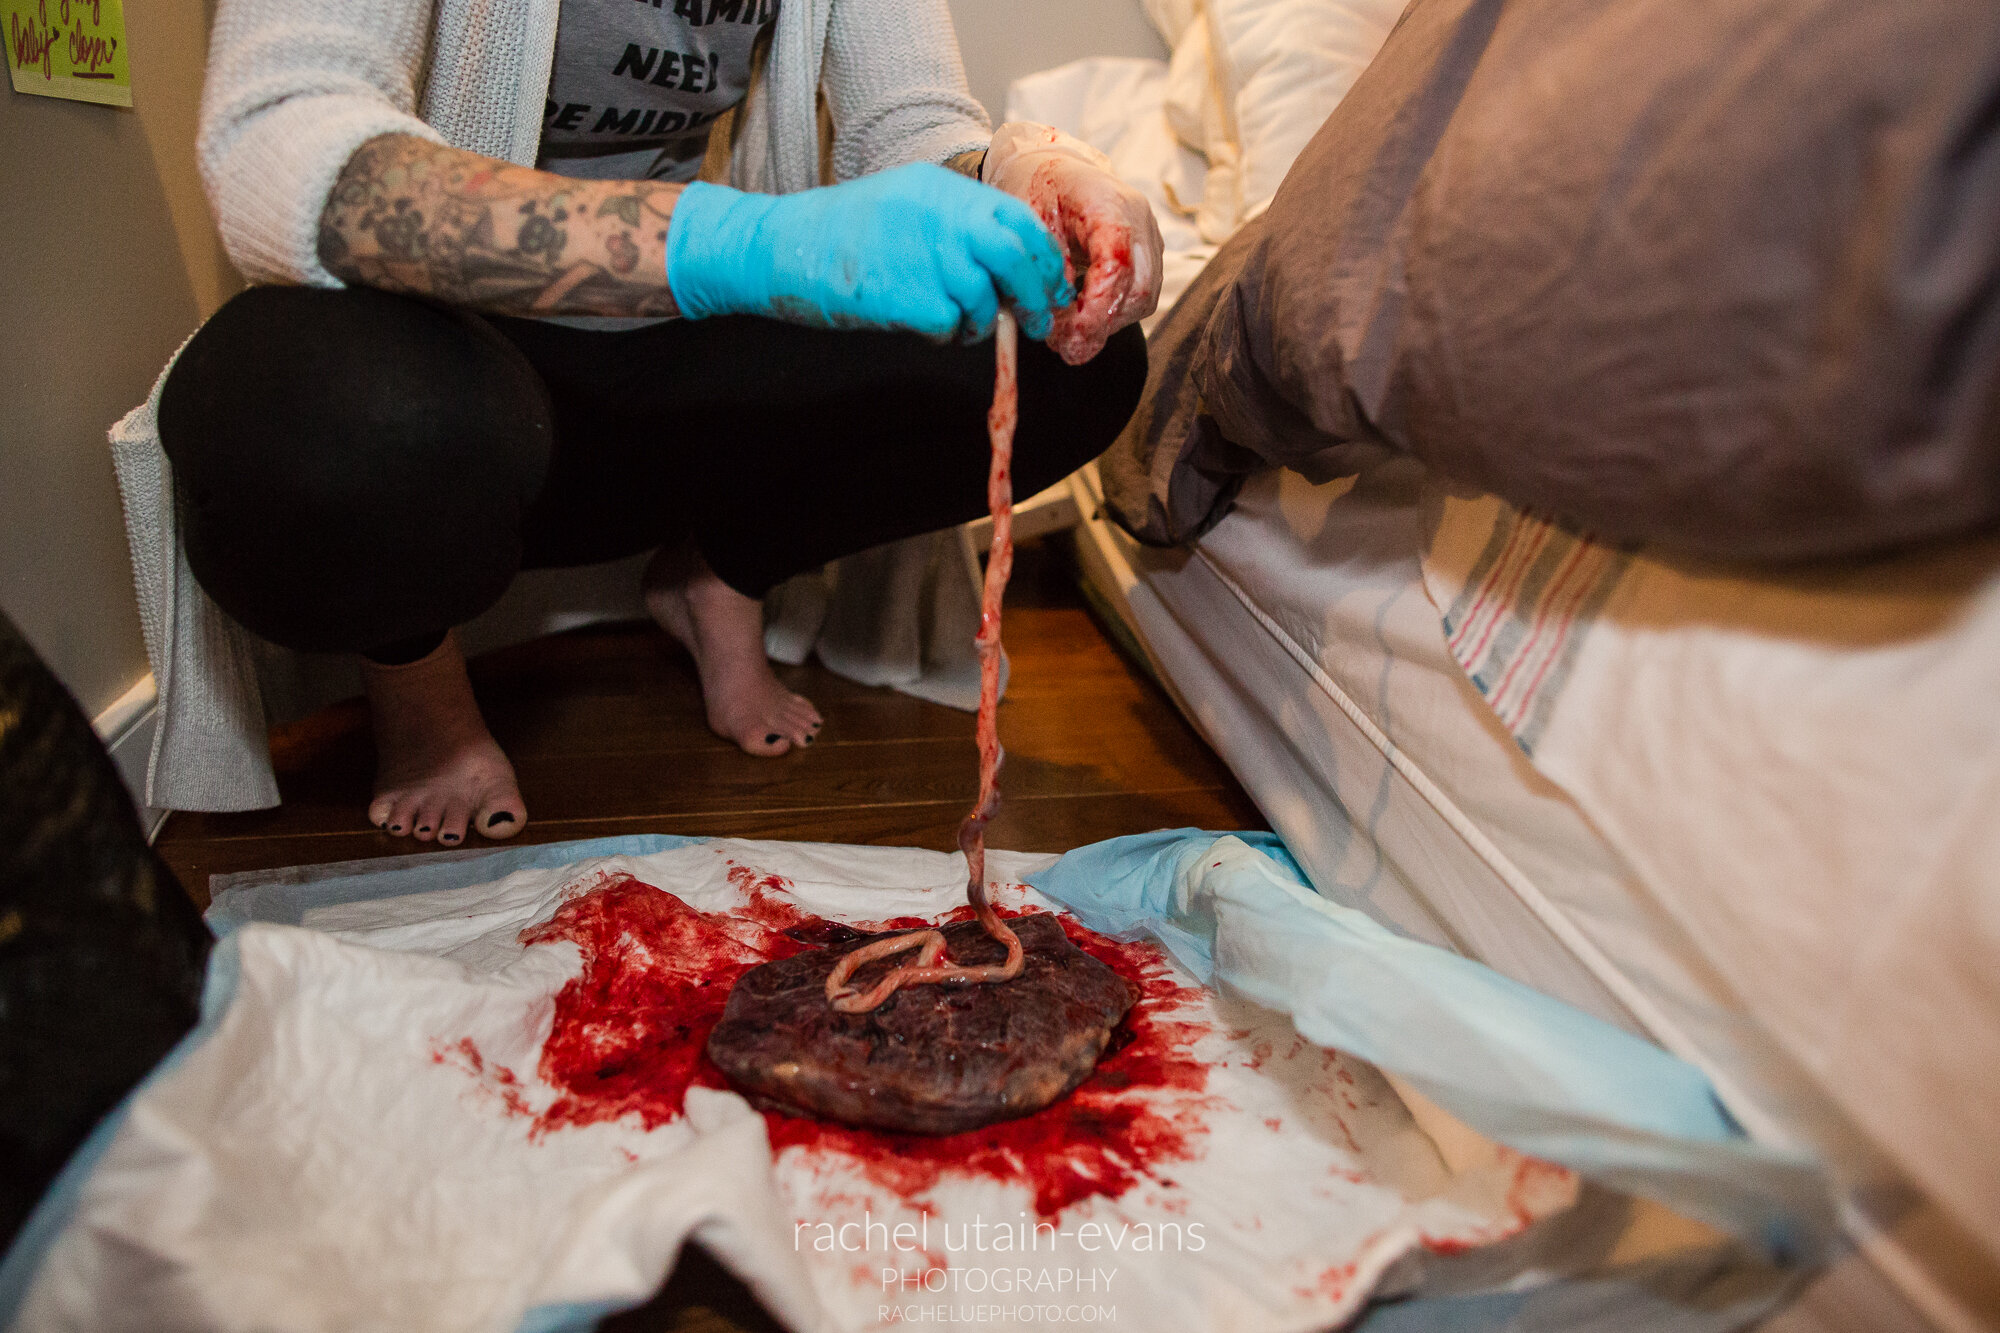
[630, 1029]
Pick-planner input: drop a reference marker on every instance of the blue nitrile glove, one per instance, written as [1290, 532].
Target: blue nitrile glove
[919, 248]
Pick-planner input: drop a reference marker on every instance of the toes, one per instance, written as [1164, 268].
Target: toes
[429, 818]
[801, 729]
[400, 818]
[767, 745]
[787, 721]
[451, 830]
[501, 819]
[802, 721]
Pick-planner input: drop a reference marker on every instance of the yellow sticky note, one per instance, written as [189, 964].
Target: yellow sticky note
[68, 48]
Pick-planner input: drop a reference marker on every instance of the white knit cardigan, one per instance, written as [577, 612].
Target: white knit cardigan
[294, 88]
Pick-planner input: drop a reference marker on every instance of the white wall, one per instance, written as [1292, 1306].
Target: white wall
[1004, 39]
[109, 262]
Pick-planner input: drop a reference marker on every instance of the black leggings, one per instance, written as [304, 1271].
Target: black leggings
[356, 470]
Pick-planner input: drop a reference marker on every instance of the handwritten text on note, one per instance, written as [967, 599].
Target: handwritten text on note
[68, 48]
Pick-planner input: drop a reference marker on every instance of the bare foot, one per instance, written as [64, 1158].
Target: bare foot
[724, 630]
[437, 766]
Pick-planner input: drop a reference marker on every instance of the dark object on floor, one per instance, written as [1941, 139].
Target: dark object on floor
[931, 1059]
[101, 953]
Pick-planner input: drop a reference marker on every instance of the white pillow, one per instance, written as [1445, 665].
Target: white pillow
[1172, 17]
[1196, 114]
[1193, 102]
[1279, 68]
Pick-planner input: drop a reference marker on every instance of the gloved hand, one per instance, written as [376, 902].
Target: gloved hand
[919, 248]
[1104, 226]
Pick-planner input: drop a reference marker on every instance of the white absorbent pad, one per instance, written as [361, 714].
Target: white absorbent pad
[486, 1107]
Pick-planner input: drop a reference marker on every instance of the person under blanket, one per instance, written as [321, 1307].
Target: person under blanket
[452, 367]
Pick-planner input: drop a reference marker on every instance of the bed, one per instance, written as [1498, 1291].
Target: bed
[1339, 642]
[1299, 638]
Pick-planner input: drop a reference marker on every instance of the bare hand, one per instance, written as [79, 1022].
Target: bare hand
[1111, 244]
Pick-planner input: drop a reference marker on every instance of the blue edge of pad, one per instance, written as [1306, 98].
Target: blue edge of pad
[1650, 1125]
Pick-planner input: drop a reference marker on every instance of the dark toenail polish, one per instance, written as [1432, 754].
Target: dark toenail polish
[809, 740]
[447, 837]
[499, 817]
[423, 828]
[395, 828]
[771, 738]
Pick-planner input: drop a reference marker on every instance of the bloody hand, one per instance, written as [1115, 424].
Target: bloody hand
[1110, 242]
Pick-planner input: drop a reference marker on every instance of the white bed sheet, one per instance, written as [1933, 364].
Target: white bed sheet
[1299, 638]
[1315, 665]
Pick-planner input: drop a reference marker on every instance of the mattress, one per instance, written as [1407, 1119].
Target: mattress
[1300, 638]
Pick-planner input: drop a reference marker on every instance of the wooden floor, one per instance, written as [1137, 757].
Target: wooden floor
[606, 731]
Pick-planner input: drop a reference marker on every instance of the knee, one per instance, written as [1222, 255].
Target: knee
[299, 394]
[1071, 414]
[352, 437]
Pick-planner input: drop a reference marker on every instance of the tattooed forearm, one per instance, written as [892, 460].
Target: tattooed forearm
[408, 215]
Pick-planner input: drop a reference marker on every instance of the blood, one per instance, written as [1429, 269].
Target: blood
[499, 1079]
[1142, 1109]
[628, 1036]
[629, 1029]
[1528, 1191]
[1079, 332]
[1333, 1282]
[1104, 247]
[761, 891]
[1532, 1177]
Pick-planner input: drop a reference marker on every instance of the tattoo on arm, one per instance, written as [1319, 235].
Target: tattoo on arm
[408, 215]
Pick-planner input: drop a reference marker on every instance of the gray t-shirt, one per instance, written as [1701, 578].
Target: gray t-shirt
[636, 84]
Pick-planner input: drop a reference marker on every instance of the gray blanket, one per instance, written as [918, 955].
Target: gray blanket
[1718, 274]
